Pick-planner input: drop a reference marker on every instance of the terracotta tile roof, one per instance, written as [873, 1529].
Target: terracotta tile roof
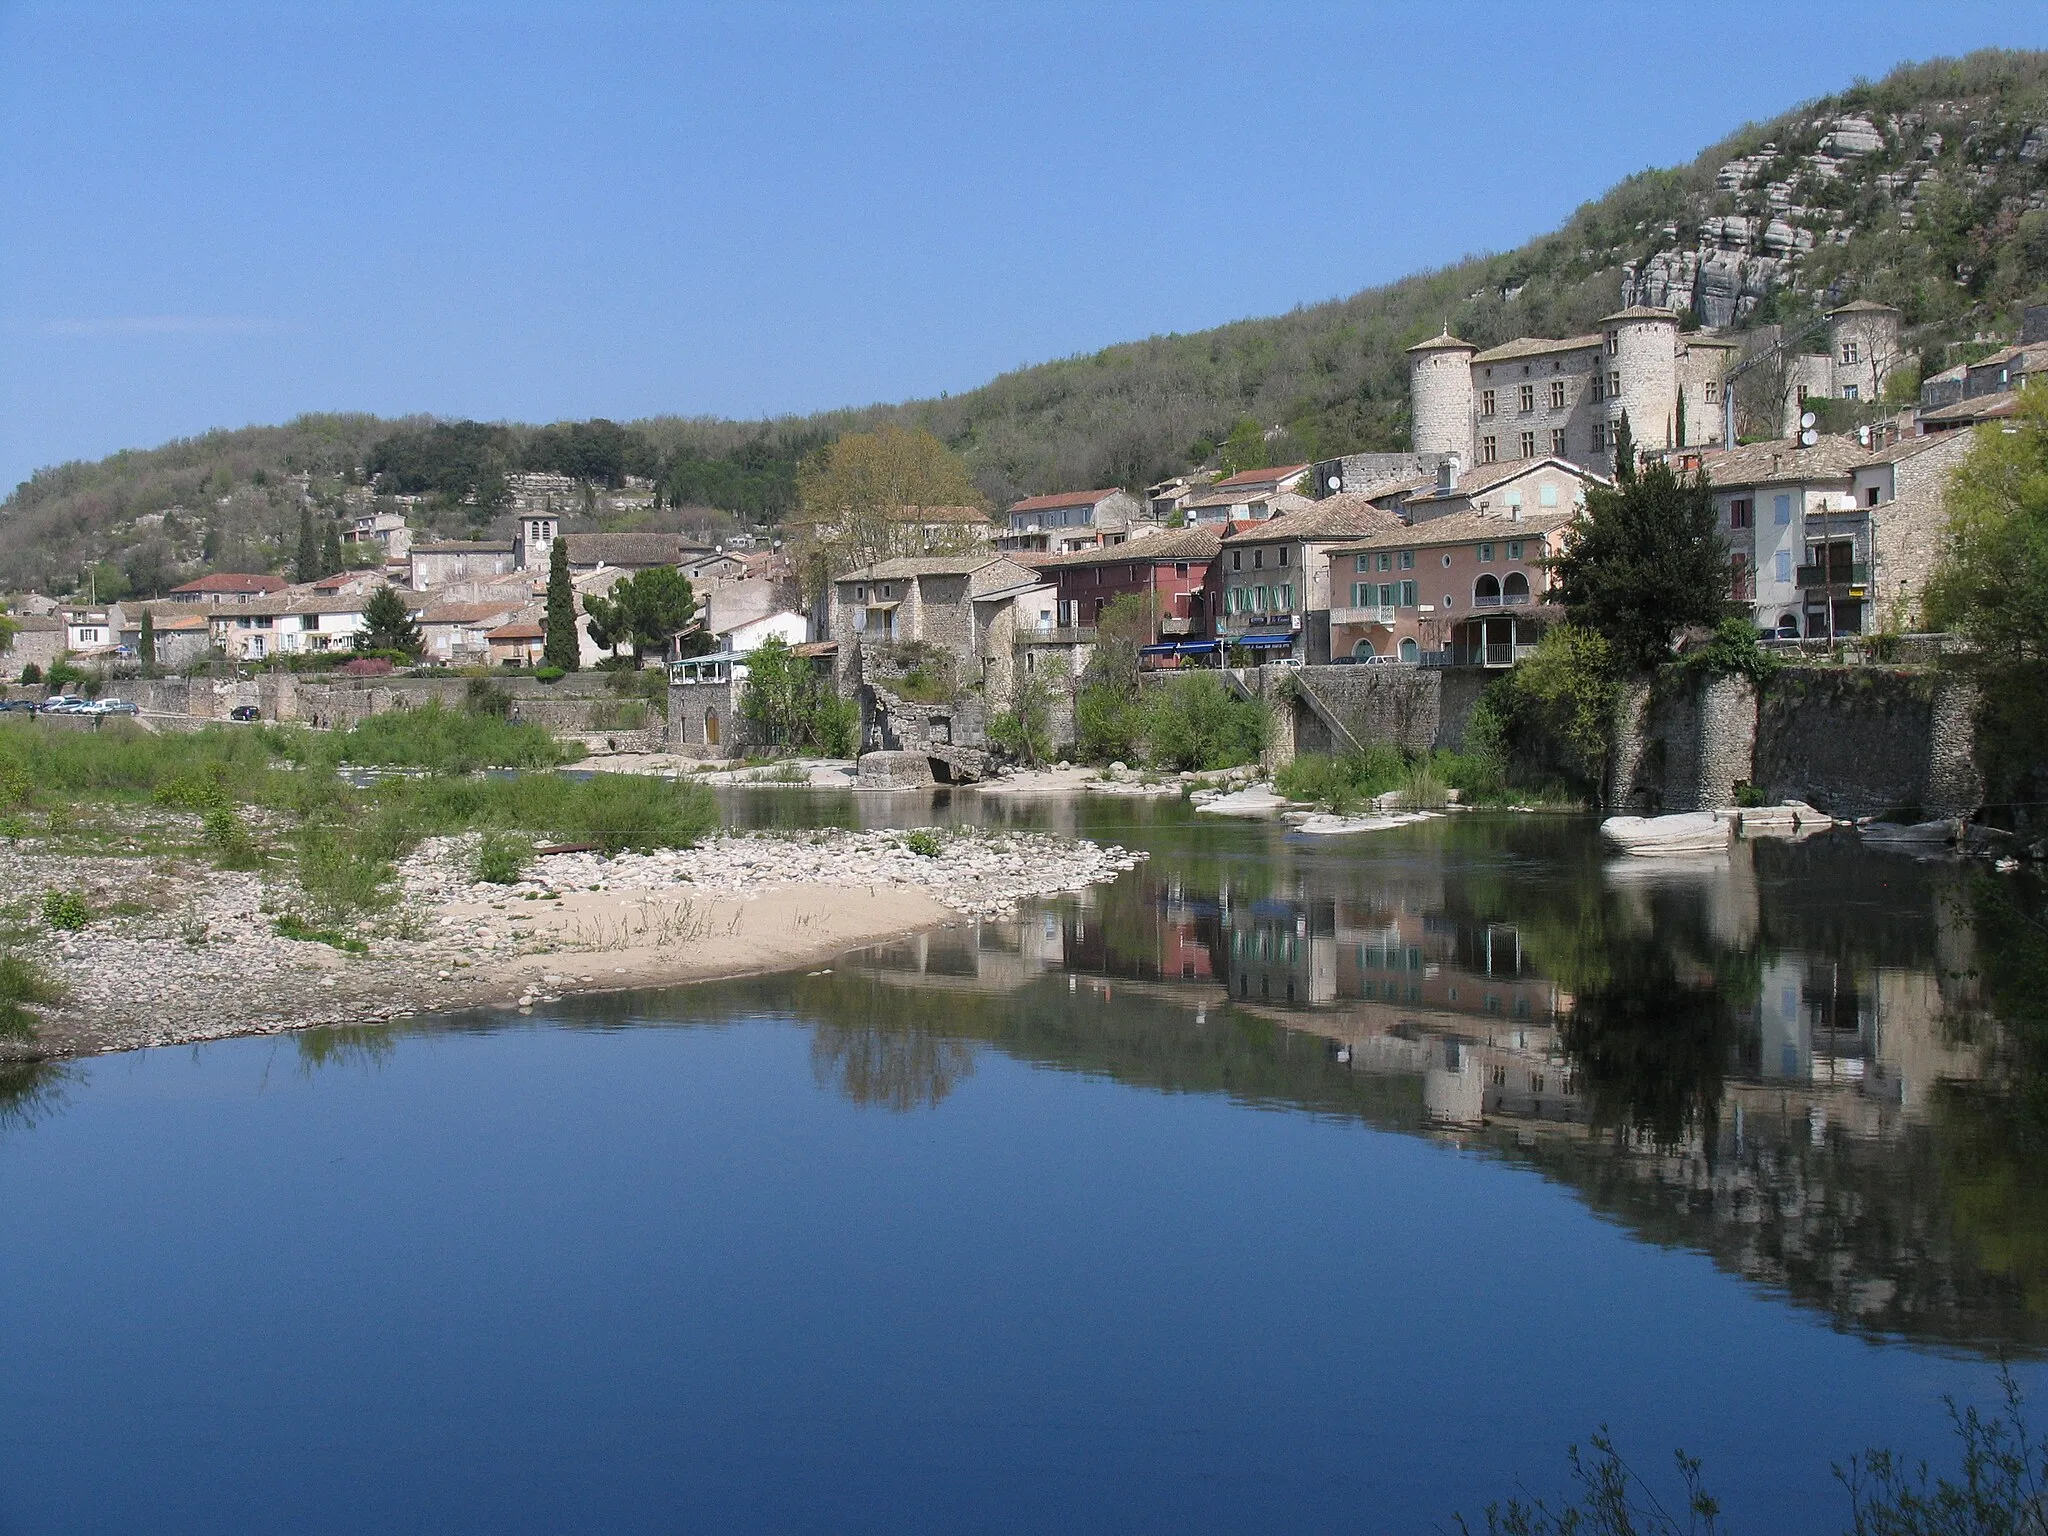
[469, 613]
[1481, 478]
[1063, 499]
[1784, 462]
[1975, 409]
[1911, 447]
[1536, 346]
[1459, 528]
[1863, 307]
[927, 565]
[1251, 477]
[1337, 517]
[233, 581]
[638, 549]
[1184, 544]
[36, 623]
[518, 631]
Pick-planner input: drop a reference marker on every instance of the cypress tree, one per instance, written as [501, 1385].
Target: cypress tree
[147, 644]
[1624, 451]
[307, 566]
[330, 551]
[561, 649]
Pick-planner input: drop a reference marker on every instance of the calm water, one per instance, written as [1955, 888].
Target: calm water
[1281, 1186]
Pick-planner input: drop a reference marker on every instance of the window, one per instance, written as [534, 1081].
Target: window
[1486, 554]
[1851, 354]
[1738, 575]
[1407, 559]
[1546, 493]
[1784, 565]
[1557, 394]
[1614, 384]
[1740, 512]
[1237, 559]
[1514, 549]
[860, 594]
[1258, 559]
[1599, 386]
[1386, 560]
[1781, 510]
[1528, 445]
[1447, 562]
[1388, 594]
[1364, 564]
[1849, 392]
[1802, 394]
[1362, 594]
[1557, 441]
[1180, 567]
[1870, 497]
[1599, 437]
[1613, 343]
[1489, 449]
[1407, 594]
[1283, 598]
[1283, 554]
[888, 590]
[1410, 651]
[1713, 392]
[1528, 398]
[1486, 402]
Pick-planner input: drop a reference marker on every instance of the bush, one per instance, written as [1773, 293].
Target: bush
[549, 674]
[501, 858]
[65, 910]
[484, 697]
[1197, 723]
[31, 674]
[442, 741]
[924, 841]
[1340, 783]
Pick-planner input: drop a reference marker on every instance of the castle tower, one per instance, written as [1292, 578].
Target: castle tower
[537, 534]
[1641, 347]
[1864, 349]
[1440, 395]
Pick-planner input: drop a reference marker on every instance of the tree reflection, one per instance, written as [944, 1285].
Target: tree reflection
[30, 1092]
[900, 1068]
[1993, 1134]
[1651, 1051]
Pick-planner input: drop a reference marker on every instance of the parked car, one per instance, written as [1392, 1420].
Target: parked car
[245, 712]
[64, 704]
[113, 707]
[28, 705]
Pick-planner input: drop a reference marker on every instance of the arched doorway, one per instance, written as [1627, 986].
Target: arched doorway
[1363, 651]
[1410, 651]
[1515, 589]
[710, 727]
[1485, 592]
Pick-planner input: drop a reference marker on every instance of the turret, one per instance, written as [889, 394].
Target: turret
[1440, 395]
[1641, 354]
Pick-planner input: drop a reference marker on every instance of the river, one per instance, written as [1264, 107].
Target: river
[1286, 1184]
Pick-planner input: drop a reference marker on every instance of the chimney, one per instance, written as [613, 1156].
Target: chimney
[1447, 472]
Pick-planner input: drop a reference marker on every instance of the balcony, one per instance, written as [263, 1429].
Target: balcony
[1502, 655]
[1256, 623]
[1377, 613]
[1834, 574]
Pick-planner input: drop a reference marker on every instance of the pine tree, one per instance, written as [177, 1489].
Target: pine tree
[307, 566]
[561, 649]
[387, 626]
[330, 551]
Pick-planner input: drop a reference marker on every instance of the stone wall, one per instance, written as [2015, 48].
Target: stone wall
[1909, 529]
[1860, 740]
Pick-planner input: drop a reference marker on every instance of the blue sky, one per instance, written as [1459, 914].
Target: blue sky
[212, 215]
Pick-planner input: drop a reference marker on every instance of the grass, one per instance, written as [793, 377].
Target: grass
[436, 739]
[1344, 783]
[501, 858]
[292, 926]
[924, 841]
[22, 982]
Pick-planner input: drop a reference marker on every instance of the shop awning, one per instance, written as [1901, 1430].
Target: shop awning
[1181, 648]
[1282, 641]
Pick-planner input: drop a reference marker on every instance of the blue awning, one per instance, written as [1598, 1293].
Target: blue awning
[1199, 647]
[1158, 650]
[1284, 638]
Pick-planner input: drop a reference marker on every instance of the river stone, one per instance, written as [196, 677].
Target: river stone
[894, 770]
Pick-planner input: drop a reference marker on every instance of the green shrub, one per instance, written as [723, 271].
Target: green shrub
[442, 741]
[65, 909]
[31, 674]
[21, 981]
[1342, 783]
[549, 674]
[924, 841]
[228, 838]
[501, 858]
[484, 697]
[292, 926]
[1196, 723]
[15, 785]
[1748, 796]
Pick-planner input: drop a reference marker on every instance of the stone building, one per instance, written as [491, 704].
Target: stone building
[1800, 544]
[944, 601]
[1564, 398]
[38, 641]
[1250, 496]
[1067, 521]
[442, 563]
[1905, 488]
[1272, 587]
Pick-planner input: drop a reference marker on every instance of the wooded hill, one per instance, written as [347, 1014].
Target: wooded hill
[1941, 208]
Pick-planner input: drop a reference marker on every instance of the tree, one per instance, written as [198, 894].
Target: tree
[1107, 714]
[861, 497]
[1245, 448]
[790, 704]
[146, 644]
[387, 626]
[1024, 730]
[645, 610]
[330, 550]
[1643, 560]
[1567, 691]
[560, 648]
[1624, 451]
[1991, 583]
[306, 565]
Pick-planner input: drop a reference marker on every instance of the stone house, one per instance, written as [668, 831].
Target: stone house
[705, 691]
[1466, 589]
[519, 643]
[182, 636]
[289, 625]
[1904, 486]
[1250, 496]
[442, 563]
[87, 630]
[38, 641]
[455, 632]
[931, 600]
[1545, 484]
[387, 531]
[228, 587]
[1272, 589]
[628, 551]
[1798, 540]
[1067, 521]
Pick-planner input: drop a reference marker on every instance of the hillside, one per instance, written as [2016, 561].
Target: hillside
[1928, 190]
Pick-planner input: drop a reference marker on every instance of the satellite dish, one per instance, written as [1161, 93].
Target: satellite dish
[1808, 438]
[1336, 482]
[1806, 420]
